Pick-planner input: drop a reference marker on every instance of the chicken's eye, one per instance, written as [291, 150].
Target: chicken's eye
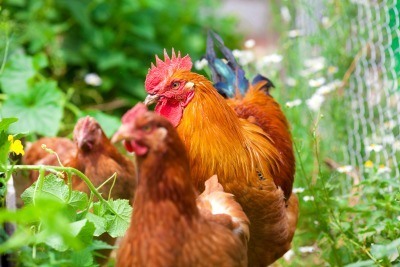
[146, 128]
[175, 85]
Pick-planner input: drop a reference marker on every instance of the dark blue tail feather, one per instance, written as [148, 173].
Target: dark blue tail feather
[268, 83]
[229, 76]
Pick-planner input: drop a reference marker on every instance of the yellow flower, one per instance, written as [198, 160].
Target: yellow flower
[16, 146]
[368, 164]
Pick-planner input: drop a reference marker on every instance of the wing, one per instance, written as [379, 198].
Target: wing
[222, 208]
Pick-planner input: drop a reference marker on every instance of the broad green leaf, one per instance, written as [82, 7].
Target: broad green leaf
[55, 188]
[99, 209]
[39, 109]
[19, 69]
[78, 200]
[117, 224]
[391, 250]
[82, 258]
[99, 223]
[55, 241]
[83, 230]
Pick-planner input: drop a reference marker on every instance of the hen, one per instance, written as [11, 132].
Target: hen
[244, 140]
[92, 153]
[167, 227]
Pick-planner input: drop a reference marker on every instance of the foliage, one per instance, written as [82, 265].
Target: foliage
[57, 226]
[59, 61]
[111, 41]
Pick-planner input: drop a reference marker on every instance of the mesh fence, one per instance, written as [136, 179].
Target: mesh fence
[373, 89]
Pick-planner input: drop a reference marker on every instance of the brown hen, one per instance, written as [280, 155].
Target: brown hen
[167, 227]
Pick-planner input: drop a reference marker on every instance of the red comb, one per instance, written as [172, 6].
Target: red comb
[131, 114]
[165, 68]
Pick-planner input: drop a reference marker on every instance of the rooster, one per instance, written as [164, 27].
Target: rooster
[168, 227]
[245, 140]
[92, 153]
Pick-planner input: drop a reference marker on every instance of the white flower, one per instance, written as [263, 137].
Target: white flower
[200, 64]
[243, 56]
[316, 82]
[383, 169]
[298, 190]
[374, 147]
[93, 79]
[332, 69]
[288, 255]
[285, 13]
[390, 124]
[250, 43]
[295, 33]
[316, 222]
[308, 198]
[315, 102]
[293, 103]
[308, 249]
[326, 22]
[398, 218]
[345, 169]
[326, 89]
[313, 65]
[273, 58]
[291, 81]
[396, 145]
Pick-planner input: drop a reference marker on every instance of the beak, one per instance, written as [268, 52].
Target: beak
[151, 99]
[123, 133]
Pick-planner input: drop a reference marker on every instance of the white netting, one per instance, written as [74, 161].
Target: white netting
[373, 89]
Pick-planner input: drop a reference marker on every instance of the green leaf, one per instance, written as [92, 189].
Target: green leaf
[83, 230]
[82, 258]
[40, 61]
[98, 244]
[117, 224]
[5, 123]
[391, 250]
[55, 188]
[18, 70]
[78, 200]
[4, 149]
[99, 223]
[39, 109]
[361, 264]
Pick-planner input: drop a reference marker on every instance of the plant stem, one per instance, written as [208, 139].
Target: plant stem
[3, 63]
[72, 171]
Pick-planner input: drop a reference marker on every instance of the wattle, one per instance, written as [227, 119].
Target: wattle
[173, 109]
[132, 146]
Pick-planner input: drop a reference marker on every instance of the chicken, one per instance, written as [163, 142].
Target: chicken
[167, 227]
[92, 153]
[244, 140]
